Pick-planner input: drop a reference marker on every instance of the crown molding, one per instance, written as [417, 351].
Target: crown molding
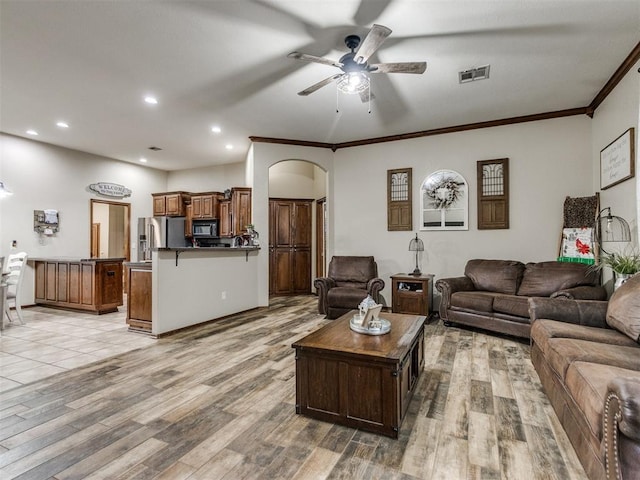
[617, 76]
[622, 70]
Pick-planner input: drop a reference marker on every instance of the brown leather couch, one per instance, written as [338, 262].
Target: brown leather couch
[348, 282]
[587, 355]
[493, 294]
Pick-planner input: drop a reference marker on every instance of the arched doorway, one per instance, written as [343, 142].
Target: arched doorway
[297, 226]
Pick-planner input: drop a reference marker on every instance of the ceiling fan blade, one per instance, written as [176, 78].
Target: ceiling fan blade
[312, 58]
[399, 67]
[319, 85]
[369, 10]
[372, 42]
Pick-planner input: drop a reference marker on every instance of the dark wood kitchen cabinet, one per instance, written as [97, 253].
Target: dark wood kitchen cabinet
[139, 297]
[171, 204]
[225, 219]
[93, 285]
[205, 205]
[240, 210]
[235, 212]
[290, 246]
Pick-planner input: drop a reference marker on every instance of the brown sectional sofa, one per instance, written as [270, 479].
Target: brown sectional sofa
[591, 374]
[493, 294]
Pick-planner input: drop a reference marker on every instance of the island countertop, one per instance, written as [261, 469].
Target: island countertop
[75, 259]
[209, 249]
[76, 283]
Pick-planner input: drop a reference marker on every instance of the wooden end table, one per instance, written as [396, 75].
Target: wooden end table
[411, 293]
[360, 381]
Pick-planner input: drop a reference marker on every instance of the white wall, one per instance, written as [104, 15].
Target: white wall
[619, 112]
[45, 176]
[296, 179]
[548, 160]
[208, 179]
[260, 158]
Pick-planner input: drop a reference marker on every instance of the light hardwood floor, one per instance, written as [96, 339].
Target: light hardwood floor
[217, 402]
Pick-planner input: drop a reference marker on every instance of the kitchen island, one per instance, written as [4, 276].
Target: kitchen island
[86, 284]
[182, 287]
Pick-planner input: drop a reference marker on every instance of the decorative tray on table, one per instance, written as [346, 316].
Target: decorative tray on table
[367, 320]
[378, 326]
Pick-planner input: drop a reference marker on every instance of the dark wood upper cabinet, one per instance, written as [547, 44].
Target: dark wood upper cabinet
[171, 204]
[205, 205]
[493, 194]
[399, 211]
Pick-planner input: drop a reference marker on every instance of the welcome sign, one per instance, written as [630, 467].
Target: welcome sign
[110, 189]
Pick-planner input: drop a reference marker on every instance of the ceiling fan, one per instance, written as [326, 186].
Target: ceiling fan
[355, 68]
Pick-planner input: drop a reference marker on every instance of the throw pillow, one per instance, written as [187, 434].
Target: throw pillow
[623, 312]
[544, 278]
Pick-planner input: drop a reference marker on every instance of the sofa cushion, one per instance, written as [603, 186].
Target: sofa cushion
[544, 330]
[343, 297]
[474, 301]
[544, 278]
[512, 305]
[502, 276]
[623, 312]
[562, 352]
[587, 384]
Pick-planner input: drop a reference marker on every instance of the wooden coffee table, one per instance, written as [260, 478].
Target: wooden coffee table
[361, 381]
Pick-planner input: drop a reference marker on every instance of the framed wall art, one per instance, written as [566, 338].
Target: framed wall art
[444, 199]
[617, 160]
[493, 194]
[399, 212]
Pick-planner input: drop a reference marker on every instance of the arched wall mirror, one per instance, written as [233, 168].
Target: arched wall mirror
[110, 229]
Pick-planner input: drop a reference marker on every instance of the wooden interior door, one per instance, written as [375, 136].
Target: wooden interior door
[290, 246]
[95, 240]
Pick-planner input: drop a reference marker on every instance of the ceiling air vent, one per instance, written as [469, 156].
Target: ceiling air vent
[479, 73]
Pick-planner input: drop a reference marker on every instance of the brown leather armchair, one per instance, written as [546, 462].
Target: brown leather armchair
[349, 281]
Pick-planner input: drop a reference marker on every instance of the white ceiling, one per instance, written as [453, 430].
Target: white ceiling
[90, 63]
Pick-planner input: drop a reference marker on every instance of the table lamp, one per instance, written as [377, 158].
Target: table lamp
[416, 245]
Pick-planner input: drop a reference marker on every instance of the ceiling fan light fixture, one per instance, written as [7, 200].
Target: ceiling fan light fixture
[353, 82]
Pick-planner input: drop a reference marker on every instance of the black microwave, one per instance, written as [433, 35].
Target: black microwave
[205, 229]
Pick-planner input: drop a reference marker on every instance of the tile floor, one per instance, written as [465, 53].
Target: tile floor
[54, 341]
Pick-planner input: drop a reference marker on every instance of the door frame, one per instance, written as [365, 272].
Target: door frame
[321, 236]
[127, 224]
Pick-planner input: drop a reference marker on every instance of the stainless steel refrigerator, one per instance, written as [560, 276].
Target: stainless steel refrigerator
[160, 232]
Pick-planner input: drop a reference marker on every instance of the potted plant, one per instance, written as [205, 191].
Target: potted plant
[624, 265]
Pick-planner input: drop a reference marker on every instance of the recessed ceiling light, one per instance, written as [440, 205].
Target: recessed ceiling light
[216, 129]
[228, 146]
[143, 160]
[151, 100]
[31, 132]
[63, 124]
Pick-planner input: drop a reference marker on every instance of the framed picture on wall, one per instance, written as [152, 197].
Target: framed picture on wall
[617, 160]
[444, 199]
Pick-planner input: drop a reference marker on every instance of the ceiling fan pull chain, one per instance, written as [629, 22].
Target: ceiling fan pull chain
[337, 100]
[369, 99]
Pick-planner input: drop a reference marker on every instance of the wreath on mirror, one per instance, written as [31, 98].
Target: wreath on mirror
[444, 192]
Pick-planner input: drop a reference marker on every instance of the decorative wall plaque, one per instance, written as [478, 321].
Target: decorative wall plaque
[110, 189]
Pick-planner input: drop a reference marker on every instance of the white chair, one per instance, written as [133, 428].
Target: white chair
[13, 276]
